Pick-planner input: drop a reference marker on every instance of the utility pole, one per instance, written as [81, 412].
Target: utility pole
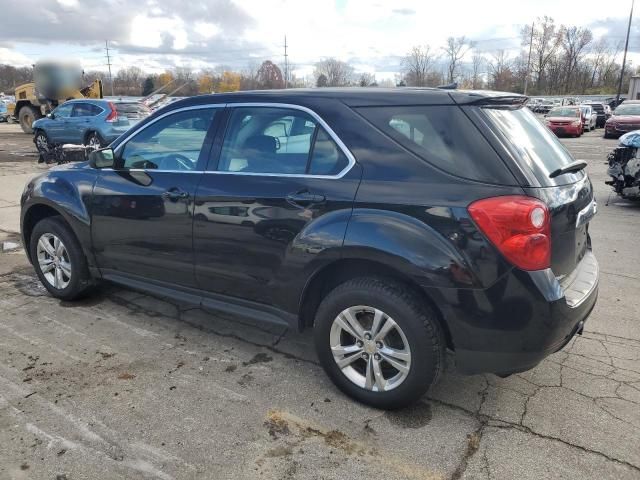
[526, 78]
[624, 58]
[286, 64]
[106, 46]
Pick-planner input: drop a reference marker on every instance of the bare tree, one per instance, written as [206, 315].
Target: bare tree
[574, 42]
[367, 80]
[477, 64]
[270, 76]
[546, 40]
[500, 72]
[337, 72]
[417, 65]
[454, 50]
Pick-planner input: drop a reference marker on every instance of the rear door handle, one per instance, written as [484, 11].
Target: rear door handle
[175, 194]
[305, 197]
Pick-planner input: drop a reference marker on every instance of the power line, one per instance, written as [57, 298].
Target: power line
[106, 46]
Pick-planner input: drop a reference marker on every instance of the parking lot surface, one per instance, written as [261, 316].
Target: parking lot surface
[124, 386]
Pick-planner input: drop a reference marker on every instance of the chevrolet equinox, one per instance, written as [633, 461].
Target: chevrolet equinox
[396, 223]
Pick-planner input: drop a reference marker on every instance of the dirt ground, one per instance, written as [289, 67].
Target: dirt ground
[127, 386]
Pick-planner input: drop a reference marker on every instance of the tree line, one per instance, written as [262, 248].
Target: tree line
[564, 59]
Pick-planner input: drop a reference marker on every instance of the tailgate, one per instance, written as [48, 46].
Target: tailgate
[537, 152]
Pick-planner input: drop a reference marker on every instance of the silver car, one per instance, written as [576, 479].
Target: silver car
[589, 116]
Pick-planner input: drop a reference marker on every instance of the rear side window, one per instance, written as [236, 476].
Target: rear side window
[444, 137]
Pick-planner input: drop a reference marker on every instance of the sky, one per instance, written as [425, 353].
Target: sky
[372, 35]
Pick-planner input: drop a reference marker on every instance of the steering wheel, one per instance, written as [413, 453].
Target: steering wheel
[177, 161]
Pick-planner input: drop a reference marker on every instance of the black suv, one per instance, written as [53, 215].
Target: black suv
[395, 223]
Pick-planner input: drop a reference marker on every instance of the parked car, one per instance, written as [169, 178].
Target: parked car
[589, 117]
[565, 121]
[412, 221]
[599, 109]
[625, 118]
[88, 122]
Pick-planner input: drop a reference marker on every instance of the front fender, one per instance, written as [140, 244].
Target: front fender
[68, 191]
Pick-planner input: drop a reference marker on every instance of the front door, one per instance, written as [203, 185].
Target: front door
[279, 171]
[142, 209]
[56, 126]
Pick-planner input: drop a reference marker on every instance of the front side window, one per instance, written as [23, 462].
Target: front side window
[278, 141]
[172, 143]
[63, 111]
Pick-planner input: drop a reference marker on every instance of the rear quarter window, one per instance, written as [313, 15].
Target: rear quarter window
[442, 136]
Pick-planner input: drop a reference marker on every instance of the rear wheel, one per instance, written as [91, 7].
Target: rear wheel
[379, 343]
[94, 141]
[26, 116]
[59, 260]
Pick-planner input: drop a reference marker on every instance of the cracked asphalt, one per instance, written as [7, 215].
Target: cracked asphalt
[126, 386]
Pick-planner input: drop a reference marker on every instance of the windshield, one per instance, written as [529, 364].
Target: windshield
[564, 112]
[536, 147]
[627, 110]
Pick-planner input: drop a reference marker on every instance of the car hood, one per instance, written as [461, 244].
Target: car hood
[39, 122]
[625, 119]
[562, 119]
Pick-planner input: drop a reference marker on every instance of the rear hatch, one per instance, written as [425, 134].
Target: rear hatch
[535, 154]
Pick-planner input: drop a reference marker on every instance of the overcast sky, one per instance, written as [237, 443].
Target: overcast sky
[372, 35]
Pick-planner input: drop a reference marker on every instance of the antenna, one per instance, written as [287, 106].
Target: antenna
[106, 46]
[286, 64]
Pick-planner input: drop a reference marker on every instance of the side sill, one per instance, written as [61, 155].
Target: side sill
[206, 300]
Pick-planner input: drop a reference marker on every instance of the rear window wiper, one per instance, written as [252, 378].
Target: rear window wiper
[569, 168]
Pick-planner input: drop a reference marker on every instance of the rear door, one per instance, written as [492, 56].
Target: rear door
[280, 169]
[142, 210]
[536, 153]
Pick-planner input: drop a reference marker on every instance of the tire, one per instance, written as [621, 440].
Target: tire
[42, 141]
[606, 135]
[94, 139]
[75, 279]
[26, 116]
[417, 329]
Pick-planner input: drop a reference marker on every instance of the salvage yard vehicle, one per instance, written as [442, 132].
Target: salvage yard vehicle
[412, 221]
[95, 123]
[625, 118]
[565, 121]
[54, 83]
[589, 118]
[600, 111]
[624, 166]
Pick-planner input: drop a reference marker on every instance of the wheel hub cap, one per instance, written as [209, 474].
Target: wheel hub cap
[53, 261]
[370, 348]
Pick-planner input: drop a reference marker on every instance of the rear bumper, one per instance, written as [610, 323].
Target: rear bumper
[526, 316]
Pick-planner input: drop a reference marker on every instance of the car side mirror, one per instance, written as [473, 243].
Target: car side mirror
[51, 115]
[103, 158]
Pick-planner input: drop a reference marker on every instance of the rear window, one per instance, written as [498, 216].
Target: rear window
[597, 107]
[132, 109]
[443, 136]
[536, 146]
[633, 109]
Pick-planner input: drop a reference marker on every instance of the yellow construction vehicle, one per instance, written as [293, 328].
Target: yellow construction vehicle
[54, 83]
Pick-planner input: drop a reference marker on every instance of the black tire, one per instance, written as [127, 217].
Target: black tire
[79, 282]
[606, 135]
[416, 319]
[95, 137]
[26, 116]
[41, 141]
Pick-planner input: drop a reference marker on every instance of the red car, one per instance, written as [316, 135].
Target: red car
[565, 121]
[625, 118]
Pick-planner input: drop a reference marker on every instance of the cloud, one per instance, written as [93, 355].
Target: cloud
[404, 11]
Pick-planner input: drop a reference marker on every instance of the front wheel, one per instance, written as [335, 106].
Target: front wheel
[42, 142]
[59, 260]
[379, 343]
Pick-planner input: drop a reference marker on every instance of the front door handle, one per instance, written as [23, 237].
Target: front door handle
[175, 194]
[305, 197]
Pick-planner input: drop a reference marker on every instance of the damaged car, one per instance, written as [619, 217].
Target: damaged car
[624, 167]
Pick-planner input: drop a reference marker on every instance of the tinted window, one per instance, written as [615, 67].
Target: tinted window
[85, 110]
[538, 148]
[326, 158]
[280, 141]
[172, 143]
[444, 137]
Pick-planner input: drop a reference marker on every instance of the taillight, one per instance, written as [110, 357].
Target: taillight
[518, 226]
[113, 114]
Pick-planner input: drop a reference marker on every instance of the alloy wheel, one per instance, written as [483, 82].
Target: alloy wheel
[94, 142]
[370, 348]
[41, 142]
[53, 260]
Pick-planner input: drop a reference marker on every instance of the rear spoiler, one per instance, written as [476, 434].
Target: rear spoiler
[502, 101]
